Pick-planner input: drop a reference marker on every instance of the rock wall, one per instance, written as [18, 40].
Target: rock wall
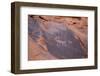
[57, 37]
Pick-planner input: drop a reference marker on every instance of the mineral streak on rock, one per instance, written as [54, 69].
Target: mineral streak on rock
[57, 37]
[61, 42]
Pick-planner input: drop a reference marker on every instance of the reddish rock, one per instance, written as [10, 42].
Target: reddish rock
[38, 42]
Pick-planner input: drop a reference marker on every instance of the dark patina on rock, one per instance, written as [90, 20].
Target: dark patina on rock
[59, 39]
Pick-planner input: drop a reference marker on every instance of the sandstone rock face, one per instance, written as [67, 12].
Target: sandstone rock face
[57, 37]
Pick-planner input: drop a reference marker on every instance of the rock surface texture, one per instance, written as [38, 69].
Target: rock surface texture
[57, 37]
